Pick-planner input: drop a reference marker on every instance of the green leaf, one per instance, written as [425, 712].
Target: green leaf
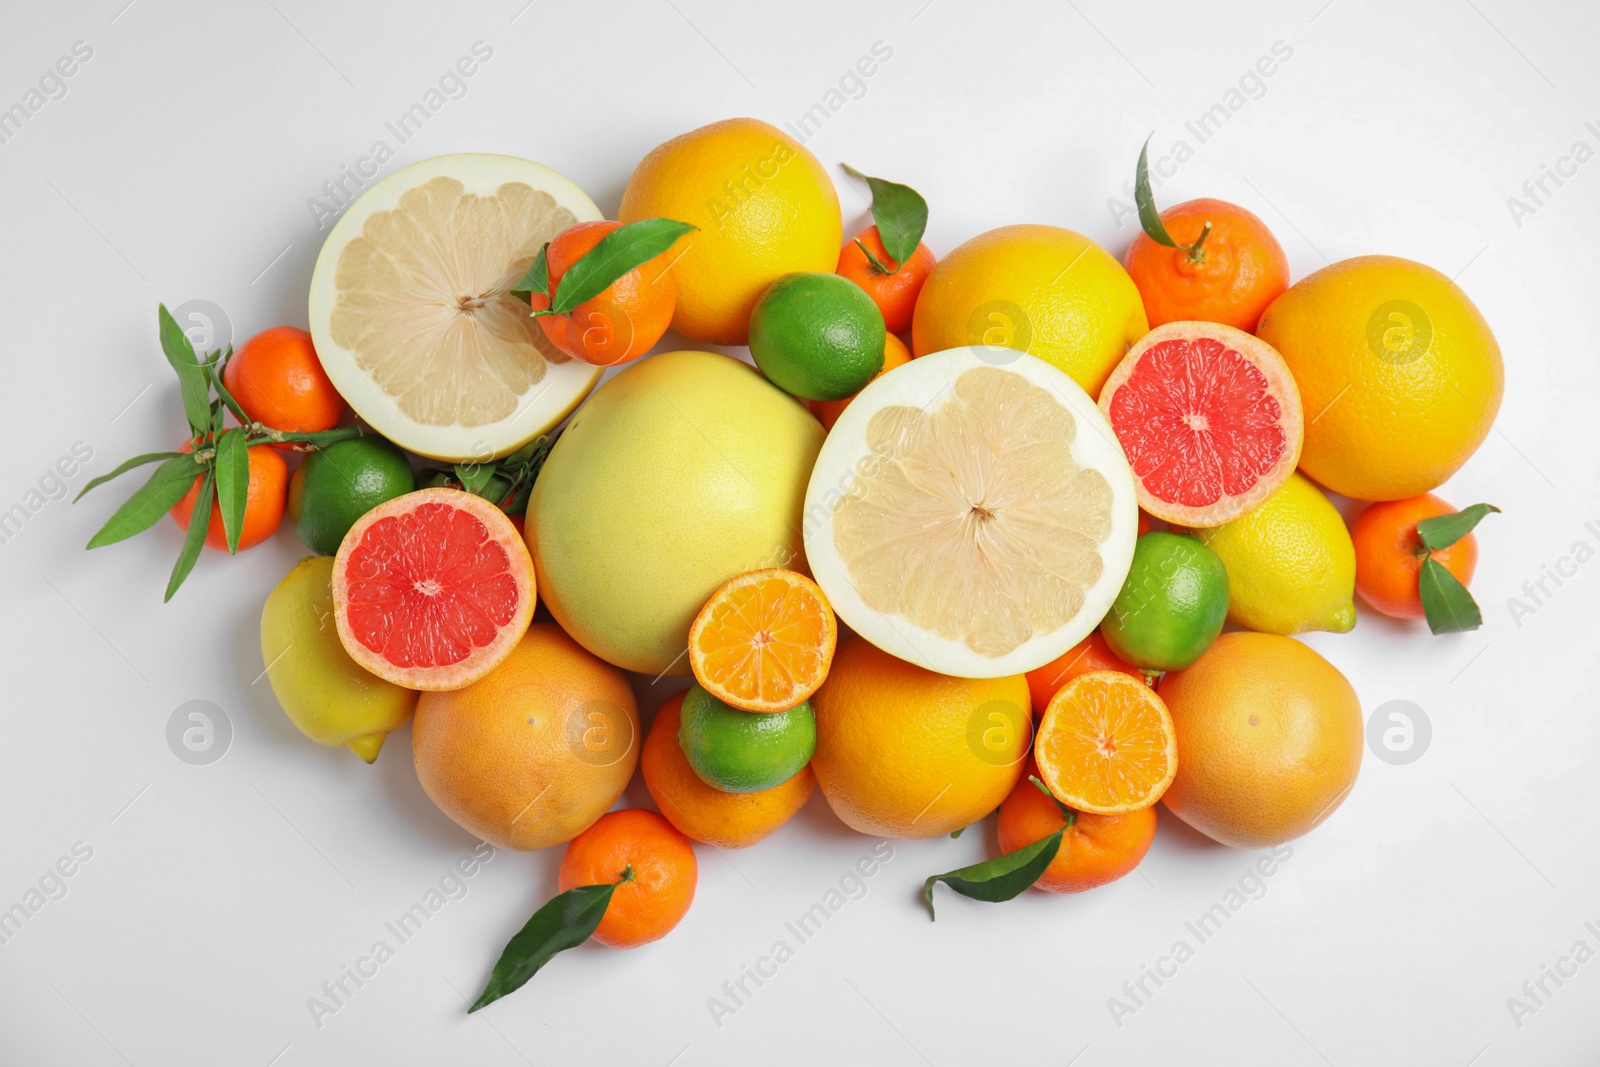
[999, 879]
[233, 484]
[149, 502]
[1145, 200]
[474, 476]
[218, 369]
[1442, 531]
[193, 380]
[1445, 601]
[123, 468]
[565, 921]
[195, 539]
[957, 833]
[901, 216]
[618, 252]
[537, 279]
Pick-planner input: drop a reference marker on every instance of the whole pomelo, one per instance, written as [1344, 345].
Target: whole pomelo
[1399, 374]
[763, 206]
[1043, 290]
[1269, 740]
[683, 471]
[531, 754]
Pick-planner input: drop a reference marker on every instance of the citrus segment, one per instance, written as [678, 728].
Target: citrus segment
[1106, 744]
[1209, 418]
[412, 313]
[432, 589]
[764, 641]
[971, 513]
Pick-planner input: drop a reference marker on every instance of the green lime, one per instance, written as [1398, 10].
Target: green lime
[817, 336]
[337, 485]
[744, 751]
[1172, 605]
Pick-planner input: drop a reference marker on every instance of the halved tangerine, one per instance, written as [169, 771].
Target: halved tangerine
[432, 589]
[1209, 418]
[1106, 744]
[764, 641]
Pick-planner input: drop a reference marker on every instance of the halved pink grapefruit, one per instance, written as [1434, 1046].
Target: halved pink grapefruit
[432, 589]
[1209, 418]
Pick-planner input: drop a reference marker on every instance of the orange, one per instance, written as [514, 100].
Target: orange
[764, 640]
[1238, 270]
[1389, 554]
[727, 820]
[895, 293]
[763, 205]
[1090, 654]
[534, 752]
[1269, 740]
[279, 382]
[904, 752]
[1106, 744]
[895, 354]
[264, 502]
[656, 868]
[625, 320]
[1096, 849]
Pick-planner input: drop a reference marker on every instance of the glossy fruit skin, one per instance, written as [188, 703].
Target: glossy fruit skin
[334, 486]
[1242, 267]
[1047, 291]
[1269, 740]
[744, 751]
[1291, 565]
[894, 293]
[1406, 418]
[817, 336]
[551, 722]
[1095, 850]
[895, 354]
[1172, 605]
[1090, 654]
[906, 753]
[279, 382]
[649, 903]
[325, 693]
[726, 820]
[1388, 554]
[763, 205]
[681, 472]
[625, 320]
[264, 502]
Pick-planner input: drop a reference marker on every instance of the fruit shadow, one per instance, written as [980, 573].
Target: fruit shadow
[1175, 835]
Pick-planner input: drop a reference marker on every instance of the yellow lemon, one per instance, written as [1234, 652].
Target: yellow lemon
[1043, 290]
[1291, 565]
[763, 206]
[331, 698]
[1399, 374]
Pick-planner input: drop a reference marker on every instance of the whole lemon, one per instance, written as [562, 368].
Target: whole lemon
[1043, 290]
[1291, 564]
[1269, 740]
[532, 753]
[763, 207]
[683, 471]
[904, 752]
[331, 698]
[1399, 374]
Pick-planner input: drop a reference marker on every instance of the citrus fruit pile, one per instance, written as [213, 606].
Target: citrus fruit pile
[1026, 529]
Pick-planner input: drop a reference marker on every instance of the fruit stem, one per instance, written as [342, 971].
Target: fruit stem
[626, 875]
[1195, 255]
[877, 265]
[256, 434]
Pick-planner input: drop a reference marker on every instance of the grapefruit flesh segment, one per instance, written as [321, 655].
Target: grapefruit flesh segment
[1106, 744]
[433, 589]
[1209, 418]
[764, 641]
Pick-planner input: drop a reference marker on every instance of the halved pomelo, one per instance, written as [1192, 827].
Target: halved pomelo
[412, 313]
[1210, 419]
[433, 589]
[971, 513]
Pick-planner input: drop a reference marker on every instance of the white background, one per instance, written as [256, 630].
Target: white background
[219, 898]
